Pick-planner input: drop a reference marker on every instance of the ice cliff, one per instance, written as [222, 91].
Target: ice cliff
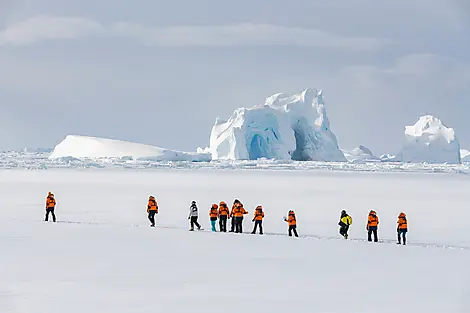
[430, 141]
[93, 147]
[287, 126]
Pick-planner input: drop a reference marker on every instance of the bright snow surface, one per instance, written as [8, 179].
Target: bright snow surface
[430, 141]
[102, 256]
[94, 147]
[287, 126]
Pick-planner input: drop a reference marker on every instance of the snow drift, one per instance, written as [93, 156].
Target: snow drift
[430, 141]
[288, 126]
[93, 147]
[360, 154]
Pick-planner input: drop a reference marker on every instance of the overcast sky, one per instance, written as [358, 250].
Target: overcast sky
[160, 72]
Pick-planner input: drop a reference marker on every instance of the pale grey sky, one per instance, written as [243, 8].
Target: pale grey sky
[160, 72]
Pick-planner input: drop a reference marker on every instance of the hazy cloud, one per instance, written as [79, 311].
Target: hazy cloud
[246, 34]
[42, 28]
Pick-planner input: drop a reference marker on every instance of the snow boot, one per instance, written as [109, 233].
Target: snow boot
[153, 225]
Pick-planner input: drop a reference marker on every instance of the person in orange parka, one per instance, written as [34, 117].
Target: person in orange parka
[372, 226]
[402, 228]
[238, 212]
[233, 222]
[50, 206]
[214, 215]
[258, 219]
[292, 222]
[152, 209]
[223, 216]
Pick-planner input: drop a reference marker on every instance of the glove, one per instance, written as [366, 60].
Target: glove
[367, 227]
[253, 220]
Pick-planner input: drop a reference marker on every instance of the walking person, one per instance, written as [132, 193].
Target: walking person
[193, 216]
[213, 215]
[344, 221]
[238, 213]
[258, 219]
[233, 221]
[223, 216]
[372, 226]
[402, 228]
[152, 210]
[292, 222]
[50, 206]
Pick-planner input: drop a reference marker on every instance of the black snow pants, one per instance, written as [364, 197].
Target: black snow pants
[293, 228]
[260, 224]
[152, 217]
[232, 224]
[194, 222]
[51, 211]
[343, 230]
[372, 230]
[223, 223]
[402, 232]
[239, 224]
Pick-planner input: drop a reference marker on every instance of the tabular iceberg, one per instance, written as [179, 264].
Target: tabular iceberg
[93, 147]
[288, 126]
[430, 141]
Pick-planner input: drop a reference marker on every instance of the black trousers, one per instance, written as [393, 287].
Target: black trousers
[152, 217]
[51, 211]
[223, 223]
[232, 224]
[194, 222]
[239, 224]
[372, 230]
[260, 224]
[343, 230]
[293, 228]
[402, 233]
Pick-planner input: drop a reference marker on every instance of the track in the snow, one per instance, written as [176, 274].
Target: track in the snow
[308, 236]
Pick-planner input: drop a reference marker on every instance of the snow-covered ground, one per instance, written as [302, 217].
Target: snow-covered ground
[102, 256]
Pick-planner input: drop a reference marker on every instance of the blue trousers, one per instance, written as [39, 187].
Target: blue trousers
[402, 232]
[213, 222]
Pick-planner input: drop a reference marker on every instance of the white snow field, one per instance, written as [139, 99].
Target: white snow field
[430, 141]
[94, 147]
[102, 256]
[288, 126]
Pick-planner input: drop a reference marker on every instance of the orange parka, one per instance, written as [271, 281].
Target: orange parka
[372, 220]
[291, 219]
[402, 221]
[50, 201]
[152, 205]
[238, 210]
[223, 209]
[214, 212]
[259, 214]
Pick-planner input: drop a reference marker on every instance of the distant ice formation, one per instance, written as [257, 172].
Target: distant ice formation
[360, 154]
[288, 126]
[93, 147]
[430, 141]
[465, 155]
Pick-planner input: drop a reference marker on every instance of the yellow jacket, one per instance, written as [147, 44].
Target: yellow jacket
[347, 220]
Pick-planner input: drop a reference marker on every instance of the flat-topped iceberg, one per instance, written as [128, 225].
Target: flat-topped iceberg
[93, 147]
